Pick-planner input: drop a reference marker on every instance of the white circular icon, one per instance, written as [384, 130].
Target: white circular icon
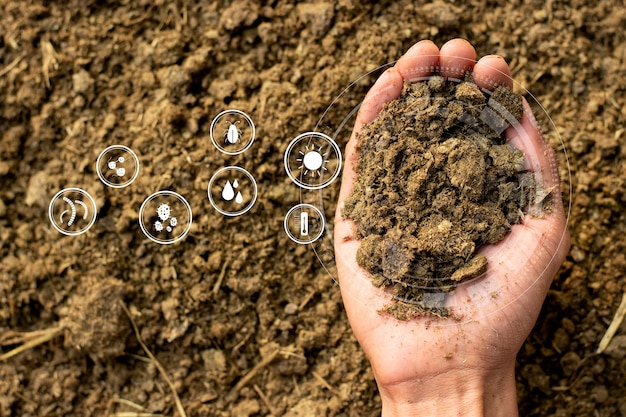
[117, 166]
[232, 191]
[312, 160]
[165, 217]
[232, 132]
[304, 223]
[72, 211]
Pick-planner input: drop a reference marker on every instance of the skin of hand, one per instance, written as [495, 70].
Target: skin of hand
[429, 366]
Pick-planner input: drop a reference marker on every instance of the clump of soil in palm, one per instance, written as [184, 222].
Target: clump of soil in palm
[436, 181]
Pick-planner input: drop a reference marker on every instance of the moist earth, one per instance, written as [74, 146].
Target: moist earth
[436, 181]
[244, 321]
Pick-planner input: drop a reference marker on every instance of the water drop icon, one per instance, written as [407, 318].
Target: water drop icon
[228, 192]
[232, 191]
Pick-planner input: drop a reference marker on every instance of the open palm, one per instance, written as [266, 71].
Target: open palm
[496, 312]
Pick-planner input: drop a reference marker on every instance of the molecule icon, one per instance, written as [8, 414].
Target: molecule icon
[121, 171]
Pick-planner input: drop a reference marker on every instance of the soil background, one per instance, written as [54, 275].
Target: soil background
[244, 321]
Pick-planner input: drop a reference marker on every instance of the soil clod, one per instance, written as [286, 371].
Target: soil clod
[436, 181]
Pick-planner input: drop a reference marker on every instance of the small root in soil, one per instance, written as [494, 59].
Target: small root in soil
[26, 340]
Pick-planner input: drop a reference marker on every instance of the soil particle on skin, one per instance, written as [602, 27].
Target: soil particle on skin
[436, 181]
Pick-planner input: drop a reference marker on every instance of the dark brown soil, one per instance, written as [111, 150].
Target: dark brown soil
[244, 321]
[436, 181]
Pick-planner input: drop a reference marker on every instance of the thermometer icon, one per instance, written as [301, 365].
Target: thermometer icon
[304, 223]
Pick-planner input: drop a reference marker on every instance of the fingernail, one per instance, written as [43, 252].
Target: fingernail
[422, 42]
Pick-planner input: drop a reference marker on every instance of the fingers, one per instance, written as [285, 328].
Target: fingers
[456, 57]
[491, 71]
[419, 61]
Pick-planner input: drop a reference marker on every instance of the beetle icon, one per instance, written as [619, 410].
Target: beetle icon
[233, 133]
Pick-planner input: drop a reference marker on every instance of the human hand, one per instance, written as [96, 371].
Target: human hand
[430, 366]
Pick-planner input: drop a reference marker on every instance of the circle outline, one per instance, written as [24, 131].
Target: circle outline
[135, 158]
[289, 149]
[219, 117]
[248, 206]
[80, 191]
[319, 234]
[158, 194]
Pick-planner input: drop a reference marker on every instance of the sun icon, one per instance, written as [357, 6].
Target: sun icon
[312, 161]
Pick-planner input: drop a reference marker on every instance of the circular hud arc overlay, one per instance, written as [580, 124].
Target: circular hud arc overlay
[473, 298]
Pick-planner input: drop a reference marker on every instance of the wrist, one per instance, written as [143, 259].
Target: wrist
[456, 393]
